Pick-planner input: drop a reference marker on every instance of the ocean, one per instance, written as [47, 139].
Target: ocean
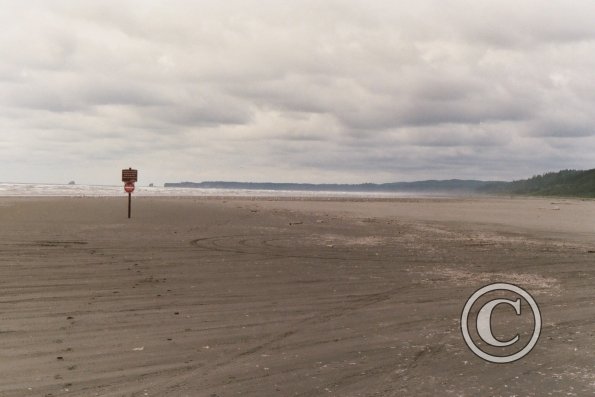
[57, 190]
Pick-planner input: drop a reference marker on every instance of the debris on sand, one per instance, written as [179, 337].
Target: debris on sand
[464, 277]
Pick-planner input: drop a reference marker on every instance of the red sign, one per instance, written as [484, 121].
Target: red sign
[129, 187]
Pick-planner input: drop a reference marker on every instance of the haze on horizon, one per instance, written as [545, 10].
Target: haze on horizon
[339, 91]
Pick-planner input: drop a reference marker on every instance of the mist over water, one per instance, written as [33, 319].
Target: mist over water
[56, 190]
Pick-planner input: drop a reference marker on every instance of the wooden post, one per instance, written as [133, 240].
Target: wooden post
[129, 204]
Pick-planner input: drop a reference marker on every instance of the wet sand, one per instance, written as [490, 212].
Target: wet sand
[238, 297]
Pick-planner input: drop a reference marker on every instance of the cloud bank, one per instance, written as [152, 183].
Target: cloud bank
[300, 91]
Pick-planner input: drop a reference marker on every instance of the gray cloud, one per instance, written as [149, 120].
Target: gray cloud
[346, 91]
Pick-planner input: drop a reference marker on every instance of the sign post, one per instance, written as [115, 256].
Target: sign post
[129, 176]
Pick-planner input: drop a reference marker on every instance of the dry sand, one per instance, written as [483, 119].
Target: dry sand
[238, 297]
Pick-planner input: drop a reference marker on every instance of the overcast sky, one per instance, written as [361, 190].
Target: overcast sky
[301, 91]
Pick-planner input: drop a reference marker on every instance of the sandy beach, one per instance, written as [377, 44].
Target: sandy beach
[278, 297]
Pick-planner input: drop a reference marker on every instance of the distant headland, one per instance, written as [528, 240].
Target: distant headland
[421, 186]
[571, 183]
